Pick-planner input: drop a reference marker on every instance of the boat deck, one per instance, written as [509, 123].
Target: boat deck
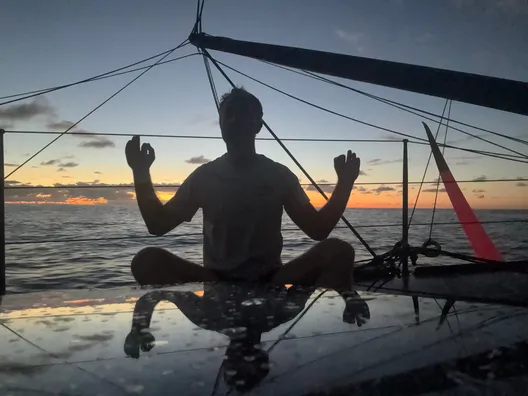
[218, 338]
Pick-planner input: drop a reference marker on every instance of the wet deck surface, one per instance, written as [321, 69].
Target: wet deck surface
[222, 338]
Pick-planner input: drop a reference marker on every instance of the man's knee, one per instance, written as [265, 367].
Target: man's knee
[337, 246]
[140, 263]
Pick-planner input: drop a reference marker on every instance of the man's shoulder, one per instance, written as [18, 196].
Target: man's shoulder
[278, 169]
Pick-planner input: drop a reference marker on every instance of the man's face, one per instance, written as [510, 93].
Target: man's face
[240, 120]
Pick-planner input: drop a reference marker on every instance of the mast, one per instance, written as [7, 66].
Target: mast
[492, 92]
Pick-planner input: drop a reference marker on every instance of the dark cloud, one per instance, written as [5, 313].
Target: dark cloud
[98, 142]
[433, 190]
[60, 125]
[362, 189]
[362, 173]
[521, 184]
[26, 111]
[98, 173]
[71, 156]
[381, 189]
[480, 178]
[50, 162]
[374, 161]
[69, 165]
[11, 182]
[6, 125]
[477, 191]
[323, 185]
[480, 196]
[9, 165]
[61, 170]
[198, 160]
[66, 177]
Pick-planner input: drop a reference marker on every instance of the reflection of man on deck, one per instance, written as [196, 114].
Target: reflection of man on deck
[242, 195]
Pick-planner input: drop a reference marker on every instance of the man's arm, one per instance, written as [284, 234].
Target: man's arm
[318, 224]
[158, 218]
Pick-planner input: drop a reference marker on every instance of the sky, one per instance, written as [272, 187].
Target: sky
[46, 44]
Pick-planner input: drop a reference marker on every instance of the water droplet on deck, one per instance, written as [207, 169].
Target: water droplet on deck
[253, 301]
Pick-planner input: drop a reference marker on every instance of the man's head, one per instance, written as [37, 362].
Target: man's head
[240, 117]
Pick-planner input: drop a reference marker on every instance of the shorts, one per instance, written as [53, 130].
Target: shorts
[233, 276]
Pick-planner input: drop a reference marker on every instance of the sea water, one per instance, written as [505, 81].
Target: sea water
[104, 238]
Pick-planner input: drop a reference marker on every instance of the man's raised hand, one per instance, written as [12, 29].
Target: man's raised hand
[139, 159]
[347, 168]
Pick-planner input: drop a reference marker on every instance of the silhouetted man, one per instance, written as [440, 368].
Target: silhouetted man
[242, 195]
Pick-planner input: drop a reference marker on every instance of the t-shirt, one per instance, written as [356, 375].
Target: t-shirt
[242, 212]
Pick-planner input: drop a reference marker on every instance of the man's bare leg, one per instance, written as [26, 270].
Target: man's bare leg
[156, 266]
[327, 264]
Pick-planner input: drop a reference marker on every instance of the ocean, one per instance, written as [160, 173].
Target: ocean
[98, 242]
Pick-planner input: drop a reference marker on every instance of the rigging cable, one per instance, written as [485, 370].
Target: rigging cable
[363, 242]
[94, 110]
[399, 105]
[439, 176]
[31, 94]
[426, 168]
[506, 157]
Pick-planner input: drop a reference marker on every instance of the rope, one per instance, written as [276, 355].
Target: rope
[94, 110]
[506, 157]
[438, 180]
[399, 105]
[426, 168]
[363, 242]
[90, 186]
[208, 137]
[31, 94]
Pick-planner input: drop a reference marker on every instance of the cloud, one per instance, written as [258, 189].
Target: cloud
[10, 165]
[60, 125]
[74, 193]
[377, 161]
[521, 184]
[26, 111]
[11, 182]
[514, 7]
[69, 165]
[98, 173]
[477, 191]
[480, 196]
[381, 189]
[98, 142]
[362, 173]
[198, 160]
[323, 185]
[433, 190]
[6, 125]
[61, 170]
[355, 39]
[71, 156]
[50, 162]
[480, 178]
[462, 163]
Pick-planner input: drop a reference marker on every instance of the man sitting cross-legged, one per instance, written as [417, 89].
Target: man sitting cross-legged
[242, 195]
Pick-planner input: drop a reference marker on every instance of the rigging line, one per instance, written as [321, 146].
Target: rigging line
[403, 108]
[199, 234]
[105, 76]
[426, 168]
[297, 319]
[399, 105]
[439, 176]
[209, 137]
[363, 242]
[39, 92]
[176, 185]
[16, 333]
[211, 82]
[91, 112]
[490, 154]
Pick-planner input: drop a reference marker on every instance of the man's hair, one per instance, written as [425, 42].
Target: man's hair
[241, 93]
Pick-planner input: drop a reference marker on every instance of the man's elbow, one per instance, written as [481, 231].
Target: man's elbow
[157, 230]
